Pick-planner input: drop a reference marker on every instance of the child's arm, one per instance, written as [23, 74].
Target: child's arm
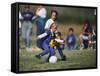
[34, 17]
[59, 40]
[42, 35]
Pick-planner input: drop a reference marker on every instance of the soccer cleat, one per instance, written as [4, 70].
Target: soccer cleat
[63, 58]
[38, 56]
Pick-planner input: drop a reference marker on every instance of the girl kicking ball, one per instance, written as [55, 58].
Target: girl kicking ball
[47, 36]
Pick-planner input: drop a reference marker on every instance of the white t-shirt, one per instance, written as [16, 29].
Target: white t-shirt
[48, 24]
[20, 16]
[42, 13]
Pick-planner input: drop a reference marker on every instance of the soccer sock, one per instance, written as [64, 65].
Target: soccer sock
[61, 53]
[43, 53]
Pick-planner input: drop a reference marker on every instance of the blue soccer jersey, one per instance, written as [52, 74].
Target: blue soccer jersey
[49, 37]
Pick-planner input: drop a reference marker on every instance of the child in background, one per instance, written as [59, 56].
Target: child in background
[70, 39]
[41, 14]
[53, 19]
[26, 29]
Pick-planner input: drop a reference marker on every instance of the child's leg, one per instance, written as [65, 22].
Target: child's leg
[40, 23]
[85, 44]
[94, 41]
[45, 51]
[28, 34]
[39, 43]
[81, 39]
[51, 53]
[68, 46]
[72, 46]
[60, 53]
[60, 50]
[23, 32]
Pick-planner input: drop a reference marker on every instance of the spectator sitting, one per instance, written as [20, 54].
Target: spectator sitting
[70, 39]
[92, 42]
[85, 37]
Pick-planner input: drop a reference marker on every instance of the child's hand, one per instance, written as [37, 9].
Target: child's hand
[37, 38]
[59, 40]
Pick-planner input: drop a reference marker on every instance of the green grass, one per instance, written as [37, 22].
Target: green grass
[75, 59]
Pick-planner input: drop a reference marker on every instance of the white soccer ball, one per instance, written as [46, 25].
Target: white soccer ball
[53, 59]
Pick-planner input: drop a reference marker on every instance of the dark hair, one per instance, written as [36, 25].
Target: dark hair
[86, 22]
[54, 11]
[71, 29]
[89, 27]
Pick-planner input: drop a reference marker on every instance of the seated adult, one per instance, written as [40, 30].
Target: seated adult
[85, 36]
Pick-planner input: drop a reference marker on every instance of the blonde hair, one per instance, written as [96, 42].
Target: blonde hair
[52, 25]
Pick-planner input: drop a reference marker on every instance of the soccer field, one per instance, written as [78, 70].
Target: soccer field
[75, 59]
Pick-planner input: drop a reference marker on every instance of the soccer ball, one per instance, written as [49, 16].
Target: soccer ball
[53, 59]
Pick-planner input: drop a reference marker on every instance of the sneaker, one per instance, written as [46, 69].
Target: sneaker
[37, 49]
[29, 49]
[81, 46]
